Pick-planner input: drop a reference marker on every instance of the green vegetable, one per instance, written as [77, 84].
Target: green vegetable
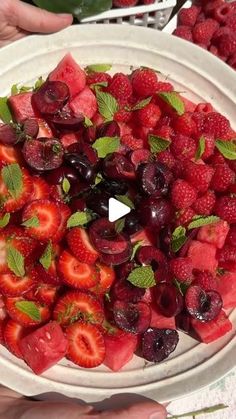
[79, 8]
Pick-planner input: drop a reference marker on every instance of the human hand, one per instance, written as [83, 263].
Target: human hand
[18, 19]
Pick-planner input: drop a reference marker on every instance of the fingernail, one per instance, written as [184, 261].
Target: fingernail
[64, 15]
[156, 415]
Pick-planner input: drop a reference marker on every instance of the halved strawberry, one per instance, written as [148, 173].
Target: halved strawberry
[80, 245]
[77, 274]
[107, 277]
[86, 345]
[9, 155]
[10, 203]
[44, 293]
[2, 327]
[14, 286]
[37, 314]
[13, 333]
[3, 254]
[47, 276]
[65, 212]
[48, 216]
[20, 240]
[3, 313]
[41, 189]
[78, 305]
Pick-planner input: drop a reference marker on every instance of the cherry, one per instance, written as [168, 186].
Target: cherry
[65, 120]
[168, 299]
[157, 344]
[123, 290]
[150, 255]
[117, 259]
[31, 127]
[83, 149]
[108, 129]
[155, 213]
[134, 318]
[51, 97]
[98, 202]
[114, 187]
[82, 166]
[183, 322]
[203, 305]
[105, 239]
[56, 176]
[117, 166]
[124, 270]
[43, 154]
[89, 134]
[154, 178]
[132, 224]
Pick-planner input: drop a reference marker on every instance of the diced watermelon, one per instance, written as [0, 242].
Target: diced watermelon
[85, 102]
[214, 233]
[97, 119]
[44, 129]
[147, 298]
[21, 106]
[68, 139]
[69, 72]
[203, 256]
[213, 330]
[145, 236]
[119, 350]
[44, 347]
[160, 321]
[227, 289]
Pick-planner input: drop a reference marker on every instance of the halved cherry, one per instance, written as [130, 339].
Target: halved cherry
[105, 238]
[43, 153]
[64, 120]
[140, 156]
[150, 255]
[117, 259]
[168, 299]
[125, 291]
[117, 166]
[134, 318]
[51, 97]
[157, 344]
[203, 305]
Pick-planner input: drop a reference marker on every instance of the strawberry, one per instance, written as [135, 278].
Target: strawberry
[20, 240]
[9, 155]
[184, 32]
[183, 194]
[107, 277]
[120, 86]
[86, 345]
[41, 189]
[80, 245]
[205, 280]
[13, 333]
[225, 208]
[45, 294]
[49, 276]
[188, 16]
[13, 286]
[222, 178]
[77, 274]
[24, 319]
[78, 305]
[65, 213]
[216, 124]
[198, 175]
[149, 115]
[185, 216]
[185, 124]
[144, 82]
[203, 31]
[10, 203]
[3, 254]
[124, 3]
[205, 203]
[183, 147]
[131, 142]
[48, 216]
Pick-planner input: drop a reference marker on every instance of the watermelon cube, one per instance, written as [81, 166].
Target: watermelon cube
[68, 139]
[85, 102]
[44, 347]
[69, 72]
[145, 236]
[21, 106]
[203, 256]
[227, 289]
[119, 350]
[160, 321]
[214, 233]
[213, 330]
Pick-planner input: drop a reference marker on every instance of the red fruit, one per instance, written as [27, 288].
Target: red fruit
[231, 236]
[13, 286]
[131, 142]
[65, 213]
[205, 204]
[188, 16]
[13, 333]
[84, 103]
[203, 256]
[44, 347]
[144, 82]
[45, 294]
[227, 44]
[107, 277]
[98, 77]
[183, 194]
[223, 12]
[120, 86]
[79, 244]
[77, 305]
[185, 216]
[44, 129]
[27, 320]
[41, 189]
[209, 146]
[216, 124]
[12, 204]
[184, 32]
[182, 269]
[226, 288]
[48, 217]
[225, 208]
[212, 330]
[77, 274]
[9, 155]
[185, 124]
[163, 86]
[199, 175]
[160, 321]
[227, 254]
[222, 178]
[209, 7]
[183, 147]
[124, 3]
[47, 276]
[145, 236]
[149, 115]
[120, 349]
[86, 346]
[19, 239]
[3, 254]
[231, 22]
[205, 280]
[167, 158]
[203, 31]
[21, 106]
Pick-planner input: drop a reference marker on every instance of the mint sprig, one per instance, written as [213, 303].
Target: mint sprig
[15, 261]
[46, 258]
[157, 144]
[227, 148]
[139, 105]
[136, 247]
[79, 218]
[13, 179]
[199, 221]
[65, 185]
[199, 412]
[201, 148]
[125, 200]
[106, 145]
[98, 68]
[174, 100]
[178, 238]
[31, 222]
[5, 220]
[29, 308]
[142, 277]
[119, 225]
[5, 113]
[107, 104]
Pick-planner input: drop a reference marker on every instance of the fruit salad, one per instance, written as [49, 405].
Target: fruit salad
[72, 283]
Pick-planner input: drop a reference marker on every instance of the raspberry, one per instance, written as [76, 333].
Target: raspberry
[188, 16]
[164, 131]
[144, 82]
[225, 208]
[231, 237]
[199, 175]
[185, 125]
[167, 158]
[183, 147]
[132, 142]
[120, 87]
[209, 146]
[227, 254]
[210, 6]
[124, 3]
[222, 178]
[222, 12]
[149, 116]
[122, 115]
[184, 32]
[216, 124]
[164, 87]
[93, 78]
[146, 2]
[205, 204]
[203, 32]
[205, 280]
[201, 17]
[182, 269]
[227, 44]
[183, 194]
[185, 216]
[232, 61]
[231, 22]
[204, 107]
[223, 30]
[217, 158]
[215, 51]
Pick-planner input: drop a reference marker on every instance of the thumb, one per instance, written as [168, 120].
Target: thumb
[33, 19]
[144, 410]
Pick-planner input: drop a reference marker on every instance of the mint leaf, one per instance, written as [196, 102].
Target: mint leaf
[178, 238]
[38, 83]
[157, 144]
[5, 220]
[140, 105]
[174, 100]
[107, 104]
[181, 286]
[29, 308]
[201, 148]
[199, 221]
[79, 218]
[15, 261]
[136, 246]
[227, 148]
[98, 179]
[14, 89]
[87, 122]
[46, 258]
[98, 68]
[125, 200]
[106, 145]
[119, 225]
[5, 113]
[31, 222]
[142, 277]
[12, 177]
[65, 185]
[98, 84]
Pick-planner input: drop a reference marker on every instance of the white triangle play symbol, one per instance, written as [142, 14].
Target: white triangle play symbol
[117, 209]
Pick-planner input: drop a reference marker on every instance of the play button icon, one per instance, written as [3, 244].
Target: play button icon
[117, 209]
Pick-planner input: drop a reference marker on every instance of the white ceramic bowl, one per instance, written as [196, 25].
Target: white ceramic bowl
[203, 77]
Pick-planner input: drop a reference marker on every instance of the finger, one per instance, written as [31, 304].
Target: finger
[33, 19]
[145, 410]
[52, 410]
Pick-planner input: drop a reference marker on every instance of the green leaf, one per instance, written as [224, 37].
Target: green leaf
[141, 104]
[38, 83]
[227, 148]
[142, 277]
[98, 179]
[98, 68]
[125, 200]
[199, 221]
[29, 308]
[136, 246]
[65, 185]
[5, 113]
[12, 177]
[79, 8]
[201, 148]
[98, 84]
[31, 222]
[181, 286]
[14, 89]
[107, 104]
[119, 225]
[178, 238]
[79, 218]
[174, 100]
[106, 145]
[5, 220]
[15, 261]
[46, 258]
[157, 144]
[87, 122]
